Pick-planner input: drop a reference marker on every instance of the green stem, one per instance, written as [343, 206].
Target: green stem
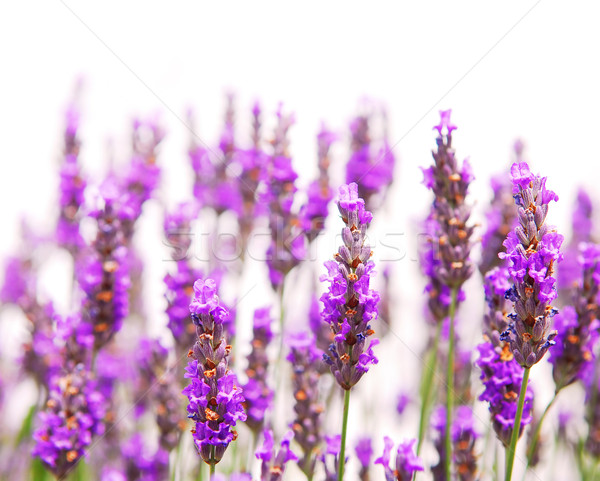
[427, 387]
[538, 429]
[342, 460]
[212, 470]
[450, 386]
[510, 454]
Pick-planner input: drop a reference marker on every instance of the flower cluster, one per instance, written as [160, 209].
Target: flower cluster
[258, 394]
[273, 463]
[215, 399]
[532, 249]
[304, 357]
[577, 325]
[350, 305]
[502, 376]
[407, 462]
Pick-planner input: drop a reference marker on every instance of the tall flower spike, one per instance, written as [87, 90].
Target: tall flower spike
[532, 250]
[407, 462]
[72, 186]
[464, 437]
[372, 171]
[501, 376]
[577, 325]
[304, 358]
[287, 246]
[215, 400]
[350, 305]
[273, 464]
[258, 394]
[314, 212]
[450, 183]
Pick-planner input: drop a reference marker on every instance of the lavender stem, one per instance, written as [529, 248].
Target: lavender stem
[427, 386]
[510, 454]
[342, 459]
[450, 385]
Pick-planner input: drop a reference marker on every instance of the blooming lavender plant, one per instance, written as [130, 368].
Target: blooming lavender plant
[407, 462]
[364, 453]
[304, 357]
[258, 394]
[273, 463]
[215, 399]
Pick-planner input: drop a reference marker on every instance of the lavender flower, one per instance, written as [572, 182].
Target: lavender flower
[532, 249]
[578, 325]
[103, 272]
[215, 400]
[407, 462]
[287, 246]
[350, 305]
[72, 187]
[569, 273]
[258, 394]
[372, 172]
[364, 453]
[464, 437]
[332, 450]
[502, 377]
[314, 212]
[304, 358]
[73, 415]
[451, 232]
[273, 464]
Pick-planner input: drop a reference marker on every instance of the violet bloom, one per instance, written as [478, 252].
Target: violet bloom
[407, 462]
[215, 399]
[304, 358]
[532, 249]
[501, 217]
[502, 377]
[273, 463]
[258, 394]
[332, 451]
[372, 170]
[72, 416]
[402, 402]
[72, 187]
[452, 233]
[103, 271]
[350, 305]
[364, 453]
[569, 274]
[464, 437]
[314, 212]
[287, 246]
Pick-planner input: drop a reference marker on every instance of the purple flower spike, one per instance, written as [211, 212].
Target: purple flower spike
[273, 464]
[364, 453]
[502, 377]
[532, 250]
[304, 358]
[445, 123]
[407, 462]
[577, 325]
[215, 399]
[450, 233]
[258, 394]
[464, 437]
[350, 305]
[73, 415]
[371, 167]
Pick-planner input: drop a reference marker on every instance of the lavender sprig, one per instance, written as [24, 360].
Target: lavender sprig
[407, 462]
[273, 463]
[215, 399]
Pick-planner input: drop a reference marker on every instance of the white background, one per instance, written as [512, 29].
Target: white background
[511, 69]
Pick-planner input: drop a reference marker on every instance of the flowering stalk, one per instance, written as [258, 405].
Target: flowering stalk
[364, 452]
[350, 305]
[532, 249]
[407, 463]
[452, 234]
[215, 400]
[273, 464]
